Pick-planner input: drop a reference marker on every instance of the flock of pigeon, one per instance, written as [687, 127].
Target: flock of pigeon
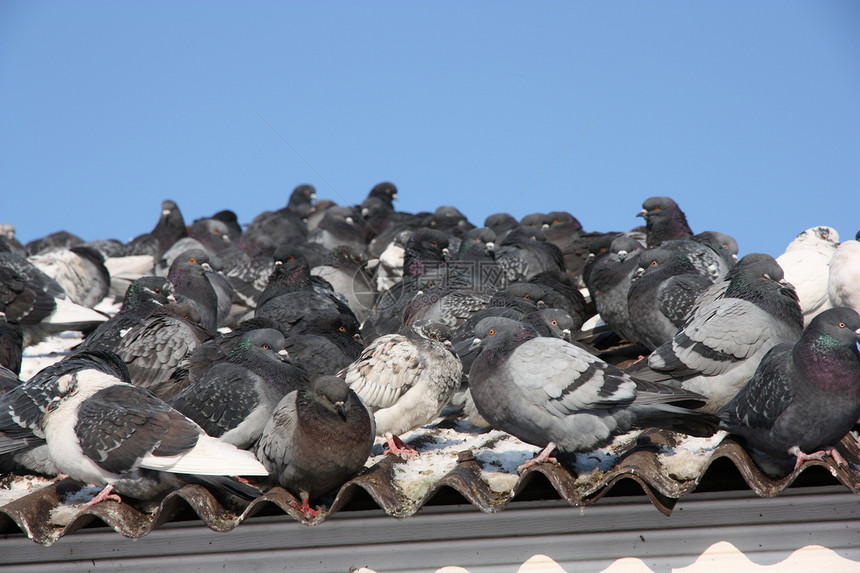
[278, 353]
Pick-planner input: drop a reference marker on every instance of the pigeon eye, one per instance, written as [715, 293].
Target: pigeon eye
[527, 297]
[265, 347]
[841, 325]
[654, 263]
[192, 260]
[158, 291]
[491, 332]
[555, 323]
[290, 259]
[603, 249]
[656, 209]
[434, 244]
[556, 222]
[342, 328]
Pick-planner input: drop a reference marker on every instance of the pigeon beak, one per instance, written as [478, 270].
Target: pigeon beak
[541, 304]
[312, 196]
[639, 272]
[394, 196]
[341, 410]
[285, 356]
[642, 213]
[279, 263]
[171, 298]
[206, 267]
[225, 237]
[449, 345]
[365, 212]
[446, 253]
[622, 255]
[566, 333]
[357, 338]
[734, 258]
[544, 227]
[475, 344]
[349, 220]
[491, 246]
[165, 213]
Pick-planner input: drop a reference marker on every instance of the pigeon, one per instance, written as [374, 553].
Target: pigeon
[664, 221]
[329, 344]
[233, 400]
[406, 380]
[345, 270]
[385, 192]
[609, 283]
[189, 279]
[271, 229]
[338, 228]
[569, 298]
[718, 350]
[169, 229]
[524, 252]
[141, 298]
[708, 262]
[38, 303]
[79, 270]
[153, 349]
[316, 439]
[552, 394]
[424, 268]
[718, 289]
[301, 201]
[58, 240]
[22, 408]
[662, 291]
[230, 219]
[843, 281]
[724, 245]
[290, 298]
[103, 431]
[804, 397]
[805, 262]
[215, 235]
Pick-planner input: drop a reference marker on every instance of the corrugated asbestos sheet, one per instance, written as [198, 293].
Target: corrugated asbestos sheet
[725, 466]
[587, 540]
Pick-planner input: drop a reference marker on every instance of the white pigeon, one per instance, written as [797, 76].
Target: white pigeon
[843, 285]
[805, 263]
[106, 432]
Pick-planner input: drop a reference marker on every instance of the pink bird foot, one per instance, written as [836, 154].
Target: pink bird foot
[105, 494]
[396, 447]
[542, 457]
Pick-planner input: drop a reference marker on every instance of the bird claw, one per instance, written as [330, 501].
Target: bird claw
[397, 447]
[105, 494]
[305, 508]
[540, 458]
[803, 457]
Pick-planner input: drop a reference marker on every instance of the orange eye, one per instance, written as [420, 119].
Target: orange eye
[192, 260]
[602, 249]
[656, 209]
[491, 332]
[290, 259]
[434, 244]
[157, 291]
[342, 328]
[556, 222]
[527, 297]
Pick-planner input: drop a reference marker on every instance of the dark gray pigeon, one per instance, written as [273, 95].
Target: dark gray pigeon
[406, 380]
[524, 252]
[552, 394]
[804, 397]
[718, 289]
[11, 344]
[718, 350]
[169, 229]
[301, 201]
[662, 291]
[188, 275]
[233, 400]
[329, 344]
[664, 221]
[316, 439]
[103, 431]
[339, 227]
[345, 270]
[290, 299]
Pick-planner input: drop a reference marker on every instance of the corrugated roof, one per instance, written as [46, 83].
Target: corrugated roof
[663, 465]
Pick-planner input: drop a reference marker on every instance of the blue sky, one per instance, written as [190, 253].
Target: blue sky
[747, 113]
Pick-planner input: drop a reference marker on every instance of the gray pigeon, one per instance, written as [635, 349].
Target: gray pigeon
[406, 380]
[234, 399]
[79, 270]
[718, 350]
[552, 394]
[662, 291]
[804, 397]
[316, 439]
[609, 283]
[153, 349]
[188, 276]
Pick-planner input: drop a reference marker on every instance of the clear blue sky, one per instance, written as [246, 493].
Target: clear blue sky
[747, 113]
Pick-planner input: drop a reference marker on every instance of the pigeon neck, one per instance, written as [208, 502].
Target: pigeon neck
[674, 227]
[829, 364]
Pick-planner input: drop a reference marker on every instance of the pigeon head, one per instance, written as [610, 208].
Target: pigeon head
[331, 394]
[829, 351]
[556, 222]
[560, 322]
[291, 268]
[478, 243]
[432, 331]
[724, 245]
[500, 224]
[825, 238]
[522, 296]
[497, 337]
[663, 263]
[156, 289]
[425, 250]
[260, 344]
[763, 284]
[624, 246]
[664, 221]
[301, 200]
[385, 192]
